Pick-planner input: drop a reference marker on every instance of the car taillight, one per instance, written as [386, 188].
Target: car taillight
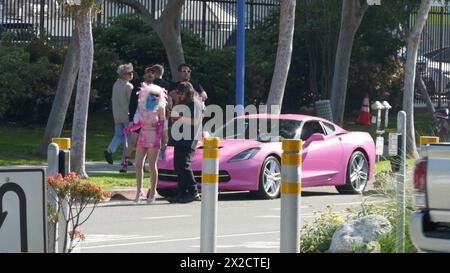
[420, 176]
[420, 184]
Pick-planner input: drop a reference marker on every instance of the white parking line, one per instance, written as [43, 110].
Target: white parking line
[307, 215]
[301, 207]
[100, 238]
[177, 240]
[165, 217]
[256, 245]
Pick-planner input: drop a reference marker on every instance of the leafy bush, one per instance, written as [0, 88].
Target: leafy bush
[29, 76]
[130, 40]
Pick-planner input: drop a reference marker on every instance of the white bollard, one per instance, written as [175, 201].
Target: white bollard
[401, 203]
[210, 184]
[291, 188]
[52, 169]
[64, 144]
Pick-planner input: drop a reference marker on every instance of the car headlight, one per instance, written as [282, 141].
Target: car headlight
[247, 154]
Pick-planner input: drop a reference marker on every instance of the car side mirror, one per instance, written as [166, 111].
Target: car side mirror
[316, 137]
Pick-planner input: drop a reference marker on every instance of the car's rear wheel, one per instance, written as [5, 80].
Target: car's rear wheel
[357, 174]
[269, 179]
[167, 192]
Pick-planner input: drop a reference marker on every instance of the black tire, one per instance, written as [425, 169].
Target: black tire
[358, 170]
[270, 181]
[166, 192]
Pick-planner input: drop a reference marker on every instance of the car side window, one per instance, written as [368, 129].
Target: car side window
[310, 128]
[329, 128]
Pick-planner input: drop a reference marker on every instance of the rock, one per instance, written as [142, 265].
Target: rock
[360, 235]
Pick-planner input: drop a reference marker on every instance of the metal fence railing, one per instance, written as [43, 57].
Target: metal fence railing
[433, 60]
[213, 20]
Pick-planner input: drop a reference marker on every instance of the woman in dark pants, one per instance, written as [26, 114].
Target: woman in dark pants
[185, 141]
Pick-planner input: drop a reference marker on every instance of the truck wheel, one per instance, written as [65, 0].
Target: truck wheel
[357, 174]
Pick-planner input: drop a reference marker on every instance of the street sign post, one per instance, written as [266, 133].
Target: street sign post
[23, 210]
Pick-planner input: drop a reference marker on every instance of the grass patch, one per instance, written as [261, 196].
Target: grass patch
[385, 165]
[16, 144]
[112, 181]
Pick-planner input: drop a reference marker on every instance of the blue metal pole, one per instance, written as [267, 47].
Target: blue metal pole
[240, 56]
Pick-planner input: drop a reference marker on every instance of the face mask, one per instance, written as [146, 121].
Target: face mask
[151, 103]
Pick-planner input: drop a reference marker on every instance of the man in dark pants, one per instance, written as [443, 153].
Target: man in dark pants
[185, 141]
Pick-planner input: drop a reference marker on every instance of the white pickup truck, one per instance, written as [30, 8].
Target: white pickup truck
[430, 224]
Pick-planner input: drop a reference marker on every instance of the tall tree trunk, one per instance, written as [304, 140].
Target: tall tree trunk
[63, 94]
[83, 90]
[168, 28]
[352, 14]
[284, 53]
[169, 31]
[410, 74]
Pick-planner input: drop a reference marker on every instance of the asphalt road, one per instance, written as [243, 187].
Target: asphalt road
[244, 225]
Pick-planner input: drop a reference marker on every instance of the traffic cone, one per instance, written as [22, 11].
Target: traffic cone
[364, 113]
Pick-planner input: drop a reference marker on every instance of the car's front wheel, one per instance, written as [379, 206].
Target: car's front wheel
[357, 174]
[270, 179]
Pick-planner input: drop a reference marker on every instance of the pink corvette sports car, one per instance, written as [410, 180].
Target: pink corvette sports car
[332, 156]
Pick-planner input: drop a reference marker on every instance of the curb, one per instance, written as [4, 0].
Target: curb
[124, 194]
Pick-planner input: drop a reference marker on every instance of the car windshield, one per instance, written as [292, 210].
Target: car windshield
[265, 130]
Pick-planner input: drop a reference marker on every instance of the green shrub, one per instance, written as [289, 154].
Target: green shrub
[28, 83]
[130, 40]
[317, 237]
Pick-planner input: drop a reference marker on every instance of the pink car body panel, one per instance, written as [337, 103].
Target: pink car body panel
[324, 162]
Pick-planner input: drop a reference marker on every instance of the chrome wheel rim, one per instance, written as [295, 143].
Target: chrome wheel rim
[359, 172]
[272, 177]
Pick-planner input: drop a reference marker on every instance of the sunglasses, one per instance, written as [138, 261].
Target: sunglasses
[149, 70]
[186, 71]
